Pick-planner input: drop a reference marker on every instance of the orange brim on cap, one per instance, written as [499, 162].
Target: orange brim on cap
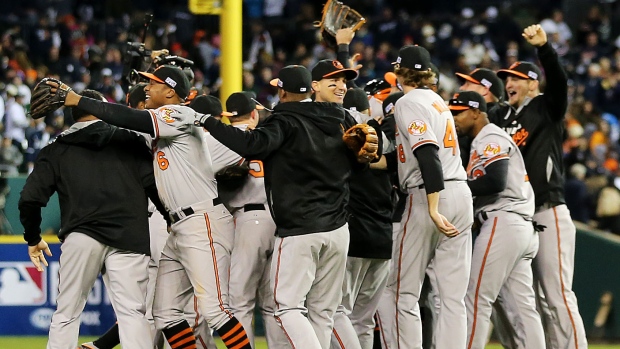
[468, 78]
[341, 71]
[390, 78]
[274, 82]
[151, 77]
[458, 107]
[514, 72]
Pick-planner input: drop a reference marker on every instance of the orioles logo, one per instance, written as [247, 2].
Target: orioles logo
[417, 127]
[338, 65]
[167, 115]
[520, 137]
[491, 149]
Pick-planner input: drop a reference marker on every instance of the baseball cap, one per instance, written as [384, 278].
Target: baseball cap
[464, 100]
[356, 99]
[487, 78]
[390, 78]
[328, 67]
[172, 76]
[209, 105]
[414, 57]
[136, 95]
[390, 102]
[523, 70]
[241, 103]
[294, 79]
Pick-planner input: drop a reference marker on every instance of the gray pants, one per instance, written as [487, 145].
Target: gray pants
[363, 285]
[307, 272]
[553, 269]
[195, 261]
[419, 241]
[249, 275]
[202, 332]
[502, 257]
[81, 260]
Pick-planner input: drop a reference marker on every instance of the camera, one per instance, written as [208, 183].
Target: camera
[138, 58]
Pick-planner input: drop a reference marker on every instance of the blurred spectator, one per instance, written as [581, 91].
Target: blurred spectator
[577, 197]
[16, 121]
[608, 208]
[10, 158]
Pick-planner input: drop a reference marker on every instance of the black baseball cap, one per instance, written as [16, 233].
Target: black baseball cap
[136, 95]
[172, 76]
[485, 77]
[241, 103]
[209, 105]
[356, 99]
[390, 102]
[327, 67]
[413, 57]
[523, 70]
[464, 100]
[294, 79]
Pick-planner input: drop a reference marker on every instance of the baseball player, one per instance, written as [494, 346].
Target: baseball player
[307, 166]
[197, 251]
[370, 246]
[103, 219]
[503, 206]
[490, 86]
[254, 228]
[536, 125]
[136, 98]
[430, 171]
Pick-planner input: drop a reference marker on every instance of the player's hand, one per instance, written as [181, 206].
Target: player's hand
[344, 36]
[36, 254]
[72, 98]
[353, 62]
[535, 35]
[444, 225]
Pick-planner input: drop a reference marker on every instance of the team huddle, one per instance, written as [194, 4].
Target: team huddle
[337, 214]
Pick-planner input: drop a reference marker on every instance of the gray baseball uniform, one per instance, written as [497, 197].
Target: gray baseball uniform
[253, 247]
[197, 252]
[422, 117]
[507, 242]
[159, 235]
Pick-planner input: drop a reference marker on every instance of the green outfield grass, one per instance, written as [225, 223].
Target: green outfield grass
[39, 342]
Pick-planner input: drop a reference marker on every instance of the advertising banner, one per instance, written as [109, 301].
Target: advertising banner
[28, 297]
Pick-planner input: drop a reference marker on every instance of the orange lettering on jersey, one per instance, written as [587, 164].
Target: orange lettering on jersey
[167, 115]
[440, 106]
[401, 153]
[520, 137]
[417, 127]
[256, 169]
[474, 159]
[162, 161]
[449, 137]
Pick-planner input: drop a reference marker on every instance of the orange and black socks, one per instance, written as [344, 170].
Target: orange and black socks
[234, 336]
[180, 336]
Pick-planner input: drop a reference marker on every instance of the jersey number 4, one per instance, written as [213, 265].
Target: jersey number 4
[449, 138]
[449, 141]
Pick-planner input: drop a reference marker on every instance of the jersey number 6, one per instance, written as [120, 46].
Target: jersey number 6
[162, 161]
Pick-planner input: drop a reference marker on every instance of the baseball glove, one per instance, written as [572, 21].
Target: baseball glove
[232, 177]
[336, 15]
[363, 141]
[44, 101]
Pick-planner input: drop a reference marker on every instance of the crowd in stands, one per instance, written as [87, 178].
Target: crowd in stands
[82, 43]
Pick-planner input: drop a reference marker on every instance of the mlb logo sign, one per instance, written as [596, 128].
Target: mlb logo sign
[22, 284]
